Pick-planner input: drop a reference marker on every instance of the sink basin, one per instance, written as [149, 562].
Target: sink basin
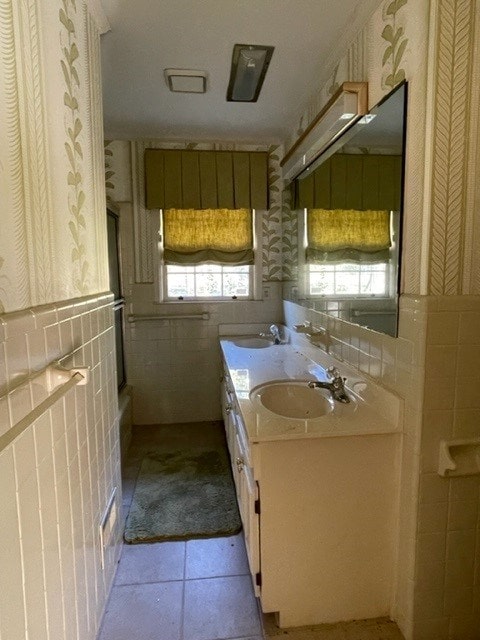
[252, 342]
[292, 399]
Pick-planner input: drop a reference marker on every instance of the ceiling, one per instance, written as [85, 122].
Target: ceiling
[148, 36]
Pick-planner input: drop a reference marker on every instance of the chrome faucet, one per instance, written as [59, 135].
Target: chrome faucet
[273, 333]
[274, 330]
[335, 385]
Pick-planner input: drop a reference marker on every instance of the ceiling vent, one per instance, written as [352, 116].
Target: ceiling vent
[186, 80]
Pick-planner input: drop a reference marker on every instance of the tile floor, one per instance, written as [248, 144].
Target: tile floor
[194, 590]
[198, 589]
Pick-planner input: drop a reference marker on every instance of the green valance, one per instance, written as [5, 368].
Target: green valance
[352, 181]
[176, 179]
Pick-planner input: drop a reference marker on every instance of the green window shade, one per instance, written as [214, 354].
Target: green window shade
[346, 235]
[177, 179]
[225, 187]
[208, 180]
[352, 181]
[191, 181]
[173, 180]
[220, 236]
[241, 172]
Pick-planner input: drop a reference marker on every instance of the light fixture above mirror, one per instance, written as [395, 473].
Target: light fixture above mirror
[343, 110]
[247, 73]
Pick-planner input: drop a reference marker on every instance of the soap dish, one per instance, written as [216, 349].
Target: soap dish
[459, 457]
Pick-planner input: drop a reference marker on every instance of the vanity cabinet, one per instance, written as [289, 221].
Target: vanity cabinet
[319, 517]
[245, 485]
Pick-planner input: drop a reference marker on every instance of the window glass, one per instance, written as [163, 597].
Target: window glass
[348, 279]
[208, 281]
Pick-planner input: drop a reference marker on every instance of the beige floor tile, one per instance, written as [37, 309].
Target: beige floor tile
[147, 611]
[215, 557]
[220, 608]
[143, 563]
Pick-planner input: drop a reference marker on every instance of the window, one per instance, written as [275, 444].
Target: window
[339, 267]
[348, 279]
[209, 254]
[207, 281]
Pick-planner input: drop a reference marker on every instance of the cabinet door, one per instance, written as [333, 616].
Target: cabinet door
[245, 485]
[248, 502]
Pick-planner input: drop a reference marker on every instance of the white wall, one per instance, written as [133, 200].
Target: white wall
[59, 473]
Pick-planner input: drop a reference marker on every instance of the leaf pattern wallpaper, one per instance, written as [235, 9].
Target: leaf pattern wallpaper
[73, 147]
[272, 221]
[53, 243]
[289, 239]
[396, 40]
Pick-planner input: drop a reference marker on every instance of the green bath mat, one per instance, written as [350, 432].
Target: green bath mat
[181, 495]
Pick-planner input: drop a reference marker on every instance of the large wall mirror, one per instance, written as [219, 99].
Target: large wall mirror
[349, 207]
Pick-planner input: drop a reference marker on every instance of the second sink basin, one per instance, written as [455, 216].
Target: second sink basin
[252, 342]
[292, 399]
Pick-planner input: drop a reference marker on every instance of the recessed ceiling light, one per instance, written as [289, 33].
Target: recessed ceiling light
[186, 80]
[249, 66]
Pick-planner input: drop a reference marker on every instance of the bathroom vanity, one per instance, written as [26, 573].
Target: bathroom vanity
[316, 480]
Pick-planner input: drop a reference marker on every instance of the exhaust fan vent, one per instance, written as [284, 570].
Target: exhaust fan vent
[186, 80]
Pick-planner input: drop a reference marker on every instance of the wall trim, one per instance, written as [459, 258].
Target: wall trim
[99, 16]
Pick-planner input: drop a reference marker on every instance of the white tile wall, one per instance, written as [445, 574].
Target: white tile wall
[57, 476]
[450, 505]
[434, 365]
[173, 366]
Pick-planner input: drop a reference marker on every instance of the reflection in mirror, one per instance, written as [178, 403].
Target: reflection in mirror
[349, 206]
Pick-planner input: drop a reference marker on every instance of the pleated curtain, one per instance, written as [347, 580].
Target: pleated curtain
[176, 179]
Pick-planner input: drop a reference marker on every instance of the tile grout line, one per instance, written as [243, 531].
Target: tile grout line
[182, 609]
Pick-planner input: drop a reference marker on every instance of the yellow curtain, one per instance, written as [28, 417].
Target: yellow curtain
[337, 235]
[221, 236]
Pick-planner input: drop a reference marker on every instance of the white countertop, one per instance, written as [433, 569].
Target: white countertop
[372, 410]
